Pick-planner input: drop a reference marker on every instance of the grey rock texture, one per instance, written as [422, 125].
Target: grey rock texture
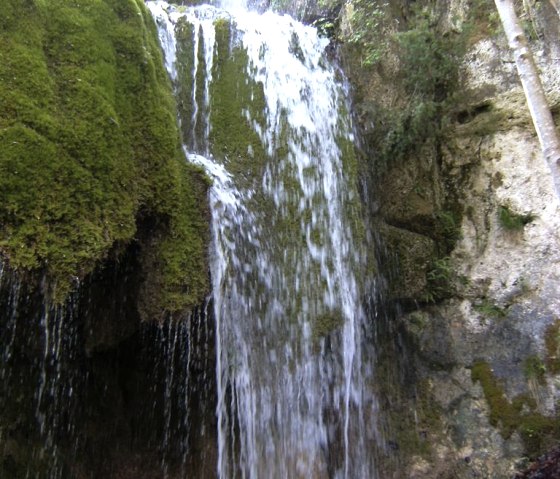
[502, 307]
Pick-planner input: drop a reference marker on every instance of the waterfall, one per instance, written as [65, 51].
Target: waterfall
[265, 113]
[65, 392]
[46, 387]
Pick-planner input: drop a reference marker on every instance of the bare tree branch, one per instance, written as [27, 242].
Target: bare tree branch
[534, 91]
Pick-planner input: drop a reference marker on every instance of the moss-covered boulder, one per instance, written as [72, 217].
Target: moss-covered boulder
[89, 149]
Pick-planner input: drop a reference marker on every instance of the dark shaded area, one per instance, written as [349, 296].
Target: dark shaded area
[87, 390]
[468, 115]
[545, 467]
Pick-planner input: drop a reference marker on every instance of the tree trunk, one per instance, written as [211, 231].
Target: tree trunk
[534, 92]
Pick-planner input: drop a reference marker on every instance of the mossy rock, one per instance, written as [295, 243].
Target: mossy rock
[325, 324]
[412, 255]
[233, 139]
[538, 432]
[88, 141]
[552, 345]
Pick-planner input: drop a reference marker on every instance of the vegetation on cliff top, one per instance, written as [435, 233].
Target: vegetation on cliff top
[421, 61]
[90, 147]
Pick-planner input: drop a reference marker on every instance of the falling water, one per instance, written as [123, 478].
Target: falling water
[65, 393]
[182, 352]
[45, 388]
[266, 114]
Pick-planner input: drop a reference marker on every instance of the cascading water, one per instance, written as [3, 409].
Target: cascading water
[65, 399]
[263, 111]
[45, 388]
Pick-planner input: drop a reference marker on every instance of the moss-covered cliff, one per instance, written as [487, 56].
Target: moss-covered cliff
[103, 224]
[90, 156]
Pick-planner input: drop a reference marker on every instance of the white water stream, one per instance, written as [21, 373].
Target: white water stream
[294, 372]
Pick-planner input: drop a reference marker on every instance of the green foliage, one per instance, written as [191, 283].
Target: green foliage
[327, 17]
[439, 280]
[328, 4]
[367, 32]
[552, 346]
[483, 21]
[428, 74]
[534, 368]
[430, 60]
[448, 229]
[489, 309]
[88, 140]
[325, 26]
[537, 431]
[306, 10]
[512, 221]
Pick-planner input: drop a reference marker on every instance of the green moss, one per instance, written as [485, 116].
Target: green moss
[429, 412]
[502, 413]
[415, 429]
[534, 368]
[489, 309]
[325, 324]
[353, 169]
[552, 346]
[537, 431]
[233, 139]
[184, 87]
[512, 221]
[88, 135]
[236, 112]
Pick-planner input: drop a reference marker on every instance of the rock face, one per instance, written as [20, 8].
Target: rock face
[476, 338]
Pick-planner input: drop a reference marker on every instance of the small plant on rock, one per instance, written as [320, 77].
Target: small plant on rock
[513, 221]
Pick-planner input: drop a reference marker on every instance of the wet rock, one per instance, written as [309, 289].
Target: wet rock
[412, 254]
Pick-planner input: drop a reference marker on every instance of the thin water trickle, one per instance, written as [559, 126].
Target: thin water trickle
[56, 404]
[294, 368]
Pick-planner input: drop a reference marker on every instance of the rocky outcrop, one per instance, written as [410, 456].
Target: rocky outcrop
[475, 239]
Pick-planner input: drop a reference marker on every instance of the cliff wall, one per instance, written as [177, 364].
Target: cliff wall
[470, 234]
